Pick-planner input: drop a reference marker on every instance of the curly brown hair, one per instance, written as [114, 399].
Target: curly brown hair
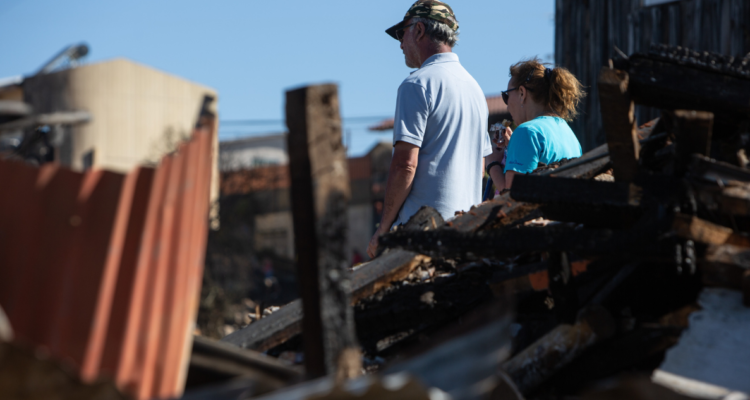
[558, 88]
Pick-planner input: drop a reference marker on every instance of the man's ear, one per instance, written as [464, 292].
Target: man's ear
[420, 31]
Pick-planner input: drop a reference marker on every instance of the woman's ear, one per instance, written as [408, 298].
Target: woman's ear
[522, 93]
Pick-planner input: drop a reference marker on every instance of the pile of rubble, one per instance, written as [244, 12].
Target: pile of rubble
[607, 258]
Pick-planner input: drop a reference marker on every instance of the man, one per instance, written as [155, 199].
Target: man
[440, 130]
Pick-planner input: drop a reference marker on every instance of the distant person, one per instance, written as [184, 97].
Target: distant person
[541, 100]
[440, 129]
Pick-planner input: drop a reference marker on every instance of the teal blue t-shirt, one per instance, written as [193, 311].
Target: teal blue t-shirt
[541, 140]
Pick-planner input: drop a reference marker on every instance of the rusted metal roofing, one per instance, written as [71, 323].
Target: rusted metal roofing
[103, 269]
[495, 104]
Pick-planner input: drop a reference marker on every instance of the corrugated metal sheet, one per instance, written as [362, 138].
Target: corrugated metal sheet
[103, 269]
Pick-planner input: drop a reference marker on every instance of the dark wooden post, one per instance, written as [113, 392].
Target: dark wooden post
[618, 115]
[320, 195]
[693, 136]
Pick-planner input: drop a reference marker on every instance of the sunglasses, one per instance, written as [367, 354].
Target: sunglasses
[505, 94]
[400, 32]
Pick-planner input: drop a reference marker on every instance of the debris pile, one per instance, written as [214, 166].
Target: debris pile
[605, 257]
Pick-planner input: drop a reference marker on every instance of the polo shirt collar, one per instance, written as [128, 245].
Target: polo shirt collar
[440, 58]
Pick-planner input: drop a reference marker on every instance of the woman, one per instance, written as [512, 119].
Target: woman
[540, 100]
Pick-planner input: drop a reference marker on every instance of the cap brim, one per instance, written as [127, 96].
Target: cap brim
[392, 30]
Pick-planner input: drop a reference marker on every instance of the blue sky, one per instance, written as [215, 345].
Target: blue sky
[251, 51]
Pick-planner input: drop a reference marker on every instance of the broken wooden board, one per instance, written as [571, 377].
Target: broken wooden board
[699, 230]
[587, 166]
[548, 190]
[668, 85]
[716, 171]
[618, 117]
[692, 131]
[213, 362]
[286, 323]
[366, 280]
[727, 266]
[538, 362]
[501, 211]
[392, 266]
[639, 241]
[728, 200]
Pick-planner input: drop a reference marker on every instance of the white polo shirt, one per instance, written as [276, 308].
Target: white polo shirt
[442, 109]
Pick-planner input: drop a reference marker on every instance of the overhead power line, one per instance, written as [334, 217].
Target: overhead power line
[281, 121]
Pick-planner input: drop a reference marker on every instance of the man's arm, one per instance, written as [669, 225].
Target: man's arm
[400, 178]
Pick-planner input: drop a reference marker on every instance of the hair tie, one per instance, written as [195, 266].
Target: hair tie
[547, 74]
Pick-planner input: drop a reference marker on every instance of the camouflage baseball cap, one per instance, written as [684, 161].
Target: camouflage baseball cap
[432, 9]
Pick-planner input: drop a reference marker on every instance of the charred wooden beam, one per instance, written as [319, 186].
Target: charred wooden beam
[496, 213]
[727, 266]
[320, 195]
[693, 136]
[586, 167]
[270, 331]
[618, 116]
[367, 279]
[538, 362]
[547, 190]
[716, 171]
[640, 241]
[214, 362]
[702, 231]
[732, 200]
[664, 84]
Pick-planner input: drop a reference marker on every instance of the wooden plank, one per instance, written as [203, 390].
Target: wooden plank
[618, 115]
[725, 266]
[732, 200]
[538, 362]
[717, 171]
[367, 280]
[673, 86]
[548, 190]
[693, 136]
[587, 166]
[641, 241]
[320, 194]
[213, 362]
[390, 267]
[499, 212]
[699, 230]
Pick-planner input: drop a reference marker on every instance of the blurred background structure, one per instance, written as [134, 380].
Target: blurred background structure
[139, 221]
[588, 33]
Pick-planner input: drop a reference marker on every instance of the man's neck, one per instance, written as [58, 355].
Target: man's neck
[426, 53]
